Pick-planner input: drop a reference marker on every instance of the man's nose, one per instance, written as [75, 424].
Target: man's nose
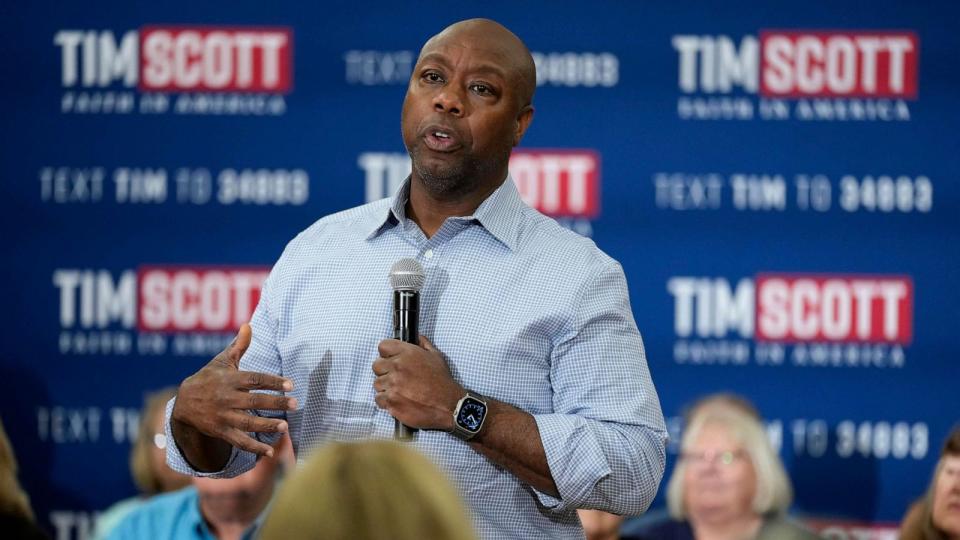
[449, 101]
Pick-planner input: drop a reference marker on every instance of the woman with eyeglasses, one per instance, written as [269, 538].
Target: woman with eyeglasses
[728, 484]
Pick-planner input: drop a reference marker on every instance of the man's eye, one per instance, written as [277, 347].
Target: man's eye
[482, 89]
[432, 76]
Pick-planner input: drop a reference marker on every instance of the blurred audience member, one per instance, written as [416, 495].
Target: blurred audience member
[148, 463]
[364, 491]
[937, 515]
[16, 517]
[721, 401]
[212, 508]
[728, 484]
[600, 525]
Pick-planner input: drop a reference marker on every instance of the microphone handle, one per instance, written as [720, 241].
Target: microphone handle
[406, 318]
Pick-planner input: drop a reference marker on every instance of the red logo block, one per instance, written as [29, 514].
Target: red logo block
[559, 183]
[797, 64]
[799, 308]
[197, 299]
[216, 59]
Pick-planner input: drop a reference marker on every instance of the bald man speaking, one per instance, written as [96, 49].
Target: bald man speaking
[529, 385]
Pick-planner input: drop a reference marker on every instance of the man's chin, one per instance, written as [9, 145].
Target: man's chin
[439, 175]
[438, 161]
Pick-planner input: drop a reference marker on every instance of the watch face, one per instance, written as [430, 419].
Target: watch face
[471, 414]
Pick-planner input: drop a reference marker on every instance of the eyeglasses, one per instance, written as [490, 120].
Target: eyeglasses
[160, 440]
[725, 458]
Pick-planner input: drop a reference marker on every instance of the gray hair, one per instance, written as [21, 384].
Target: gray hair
[773, 491]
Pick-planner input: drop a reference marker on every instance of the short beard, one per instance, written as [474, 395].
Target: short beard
[458, 179]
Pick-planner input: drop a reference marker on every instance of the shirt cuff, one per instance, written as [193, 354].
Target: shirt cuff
[239, 462]
[575, 458]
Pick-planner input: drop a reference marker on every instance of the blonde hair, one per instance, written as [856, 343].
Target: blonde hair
[13, 500]
[366, 491]
[721, 401]
[773, 492]
[143, 474]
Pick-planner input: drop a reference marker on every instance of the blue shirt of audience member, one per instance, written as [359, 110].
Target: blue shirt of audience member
[173, 516]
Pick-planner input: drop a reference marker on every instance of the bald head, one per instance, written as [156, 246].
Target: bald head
[467, 105]
[496, 38]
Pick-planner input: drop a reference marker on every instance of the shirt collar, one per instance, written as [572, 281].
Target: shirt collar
[499, 213]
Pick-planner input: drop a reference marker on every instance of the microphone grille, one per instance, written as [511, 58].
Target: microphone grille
[407, 275]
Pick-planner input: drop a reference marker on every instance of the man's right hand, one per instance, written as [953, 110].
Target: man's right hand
[211, 411]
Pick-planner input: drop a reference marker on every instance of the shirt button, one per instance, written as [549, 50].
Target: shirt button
[428, 253]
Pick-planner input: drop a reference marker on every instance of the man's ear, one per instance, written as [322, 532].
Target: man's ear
[524, 117]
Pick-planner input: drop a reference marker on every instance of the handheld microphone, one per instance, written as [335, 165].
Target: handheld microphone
[406, 279]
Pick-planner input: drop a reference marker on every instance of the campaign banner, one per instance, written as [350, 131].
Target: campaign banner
[777, 182]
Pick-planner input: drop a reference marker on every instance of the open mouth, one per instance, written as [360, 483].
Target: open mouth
[440, 139]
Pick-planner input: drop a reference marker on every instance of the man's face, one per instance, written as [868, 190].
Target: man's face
[243, 492]
[462, 116]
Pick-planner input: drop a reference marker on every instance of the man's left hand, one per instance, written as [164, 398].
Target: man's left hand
[414, 384]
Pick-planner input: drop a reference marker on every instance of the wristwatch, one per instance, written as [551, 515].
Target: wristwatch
[468, 416]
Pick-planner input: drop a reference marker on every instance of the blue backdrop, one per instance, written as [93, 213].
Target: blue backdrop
[778, 180]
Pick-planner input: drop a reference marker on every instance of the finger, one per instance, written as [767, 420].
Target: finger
[381, 366]
[390, 347]
[255, 380]
[383, 400]
[380, 384]
[263, 402]
[239, 344]
[243, 441]
[426, 344]
[251, 423]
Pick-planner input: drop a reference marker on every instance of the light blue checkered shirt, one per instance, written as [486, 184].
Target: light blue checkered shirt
[525, 311]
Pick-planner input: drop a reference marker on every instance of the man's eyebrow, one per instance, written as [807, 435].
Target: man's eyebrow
[479, 68]
[490, 68]
[434, 57]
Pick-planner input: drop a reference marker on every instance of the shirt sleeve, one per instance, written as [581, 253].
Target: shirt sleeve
[262, 355]
[605, 439]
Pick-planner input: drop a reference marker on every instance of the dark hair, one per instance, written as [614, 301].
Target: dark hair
[952, 445]
[918, 523]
